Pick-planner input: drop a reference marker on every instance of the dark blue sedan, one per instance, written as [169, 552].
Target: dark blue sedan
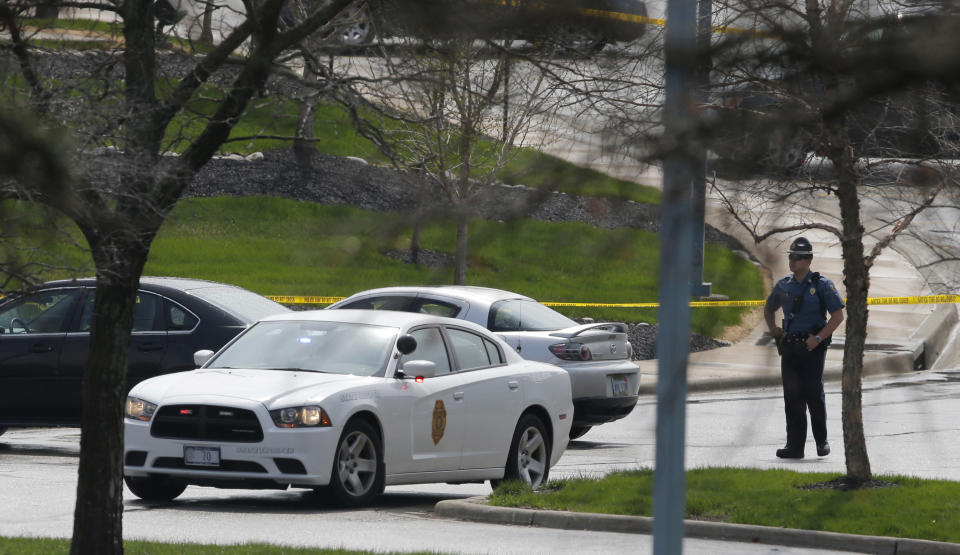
[45, 336]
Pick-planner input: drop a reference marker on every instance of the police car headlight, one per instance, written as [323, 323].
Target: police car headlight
[138, 409]
[297, 417]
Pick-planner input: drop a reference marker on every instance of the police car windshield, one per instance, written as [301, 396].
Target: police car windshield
[330, 347]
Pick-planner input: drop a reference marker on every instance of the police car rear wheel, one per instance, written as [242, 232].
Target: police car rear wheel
[155, 488]
[358, 474]
[529, 456]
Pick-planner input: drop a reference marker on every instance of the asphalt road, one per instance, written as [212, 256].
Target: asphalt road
[912, 424]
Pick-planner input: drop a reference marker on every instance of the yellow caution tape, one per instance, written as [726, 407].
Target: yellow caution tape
[297, 299]
[921, 299]
[629, 17]
[925, 299]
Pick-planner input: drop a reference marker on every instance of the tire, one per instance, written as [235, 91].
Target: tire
[155, 488]
[581, 42]
[786, 153]
[359, 30]
[578, 431]
[3, 430]
[529, 457]
[357, 477]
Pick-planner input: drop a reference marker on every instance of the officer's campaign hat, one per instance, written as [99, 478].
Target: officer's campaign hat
[801, 246]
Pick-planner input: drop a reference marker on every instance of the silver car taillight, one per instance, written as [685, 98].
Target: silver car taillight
[571, 351]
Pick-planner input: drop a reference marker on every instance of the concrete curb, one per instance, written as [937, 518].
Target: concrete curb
[475, 509]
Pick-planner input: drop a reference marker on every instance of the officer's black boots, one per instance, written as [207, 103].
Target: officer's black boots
[790, 453]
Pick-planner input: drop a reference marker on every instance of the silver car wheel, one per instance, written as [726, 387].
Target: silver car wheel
[359, 29]
[532, 456]
[357, 463]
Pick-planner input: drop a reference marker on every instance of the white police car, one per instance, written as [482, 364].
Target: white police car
[347, 402]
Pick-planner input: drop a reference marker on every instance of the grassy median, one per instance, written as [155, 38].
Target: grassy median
[904, 507]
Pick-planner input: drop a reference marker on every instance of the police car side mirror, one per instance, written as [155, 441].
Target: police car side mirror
[201, 357]
[418, 369]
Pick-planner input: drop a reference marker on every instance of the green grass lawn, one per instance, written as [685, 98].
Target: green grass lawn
[279, 246]
[50, 546]
[283, 247]
[913, 508]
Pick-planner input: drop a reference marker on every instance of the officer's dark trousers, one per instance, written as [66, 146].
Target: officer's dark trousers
[802, 377]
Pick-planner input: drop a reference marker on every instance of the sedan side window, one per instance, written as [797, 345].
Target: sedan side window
[470, 349]
[44, 312]
[430, 346]
[144, 312]
[390, 302]
[178, 318]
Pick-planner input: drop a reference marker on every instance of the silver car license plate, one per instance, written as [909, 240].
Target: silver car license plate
[201, 456]
[621, 387]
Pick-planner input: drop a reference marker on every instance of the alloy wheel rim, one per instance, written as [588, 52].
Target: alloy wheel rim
[357, 463]
[532, 457]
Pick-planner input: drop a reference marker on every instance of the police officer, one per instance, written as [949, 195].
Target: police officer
[806, 298]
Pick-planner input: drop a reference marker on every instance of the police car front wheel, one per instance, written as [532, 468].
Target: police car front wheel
[358, 474]
[155, 488]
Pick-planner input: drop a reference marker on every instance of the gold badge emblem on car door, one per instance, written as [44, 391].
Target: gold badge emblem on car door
[439, 421]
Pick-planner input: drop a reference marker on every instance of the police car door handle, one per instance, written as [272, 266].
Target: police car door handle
[512, 384]
[457, 395]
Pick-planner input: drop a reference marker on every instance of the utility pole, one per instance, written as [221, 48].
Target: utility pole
[676, 256]
[699, 193]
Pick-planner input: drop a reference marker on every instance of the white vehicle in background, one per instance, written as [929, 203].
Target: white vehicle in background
[348, 402]
[598, 355]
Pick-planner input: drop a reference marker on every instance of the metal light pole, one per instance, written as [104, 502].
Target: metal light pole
[676, 255]
[699, 197]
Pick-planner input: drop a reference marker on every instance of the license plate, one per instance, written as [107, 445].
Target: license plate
[621, 386]
[201, 456]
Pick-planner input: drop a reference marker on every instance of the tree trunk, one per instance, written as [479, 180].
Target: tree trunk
[97, 522]
[856, 278]
[460, 264]
[415, 242]
[303, 148]
[206, 27]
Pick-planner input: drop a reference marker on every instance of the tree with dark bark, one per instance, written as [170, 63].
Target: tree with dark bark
[119, 212]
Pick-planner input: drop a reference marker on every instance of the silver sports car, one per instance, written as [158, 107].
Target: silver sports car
[597, 356]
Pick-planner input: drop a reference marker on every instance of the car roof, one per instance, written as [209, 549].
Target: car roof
[234, 300]
[375, 317]
[179, 283]
[467, 292]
